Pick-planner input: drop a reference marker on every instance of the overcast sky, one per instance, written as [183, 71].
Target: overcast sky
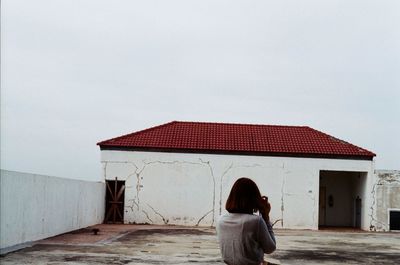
[74, 73]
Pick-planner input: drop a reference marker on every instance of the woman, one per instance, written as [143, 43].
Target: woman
[243, 236]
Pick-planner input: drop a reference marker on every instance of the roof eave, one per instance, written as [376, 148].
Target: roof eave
[235, 152]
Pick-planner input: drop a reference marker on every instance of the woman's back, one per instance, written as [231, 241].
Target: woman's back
[244, 238]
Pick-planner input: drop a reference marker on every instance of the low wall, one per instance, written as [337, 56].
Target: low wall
[386, 193]
[34, 207]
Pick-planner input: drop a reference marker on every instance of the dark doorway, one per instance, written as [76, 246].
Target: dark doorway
[322, 206]
[358, 212]
[341, 195]
[115, 197]
[394, 220]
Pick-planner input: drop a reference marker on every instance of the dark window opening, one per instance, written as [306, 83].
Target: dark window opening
[394, 220]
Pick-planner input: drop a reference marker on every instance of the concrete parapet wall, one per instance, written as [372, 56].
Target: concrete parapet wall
[34, 207]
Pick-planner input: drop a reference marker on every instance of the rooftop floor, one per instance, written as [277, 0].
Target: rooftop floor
[150, 244]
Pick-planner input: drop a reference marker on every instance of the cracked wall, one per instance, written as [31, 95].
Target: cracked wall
[191, 189]
[163, 191]
[386, 195]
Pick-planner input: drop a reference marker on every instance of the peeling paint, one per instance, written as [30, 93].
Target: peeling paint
[385, 195]
[391, 177]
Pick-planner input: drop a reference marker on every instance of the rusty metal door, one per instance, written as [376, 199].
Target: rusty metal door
[115, 197]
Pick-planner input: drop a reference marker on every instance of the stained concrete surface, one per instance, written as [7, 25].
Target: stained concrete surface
[142, 244]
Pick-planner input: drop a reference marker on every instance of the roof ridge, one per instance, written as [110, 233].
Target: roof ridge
[238, 123]
[137, 132]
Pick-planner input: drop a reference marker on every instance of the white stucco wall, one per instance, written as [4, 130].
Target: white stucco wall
[34, 207]
[191, 189]
[386, 192]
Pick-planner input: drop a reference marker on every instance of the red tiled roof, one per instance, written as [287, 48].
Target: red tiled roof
[204, 137]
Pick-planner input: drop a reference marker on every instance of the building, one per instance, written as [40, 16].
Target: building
[386, 198]
[181, 173]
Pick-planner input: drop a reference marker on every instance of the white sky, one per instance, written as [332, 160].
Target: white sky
[74, 73]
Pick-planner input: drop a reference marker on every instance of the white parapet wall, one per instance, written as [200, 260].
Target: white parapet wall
[34, 207]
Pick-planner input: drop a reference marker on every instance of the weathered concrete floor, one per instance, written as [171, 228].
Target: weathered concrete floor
[133, 244]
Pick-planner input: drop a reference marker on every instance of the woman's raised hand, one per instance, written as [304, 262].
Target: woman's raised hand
[265, 208]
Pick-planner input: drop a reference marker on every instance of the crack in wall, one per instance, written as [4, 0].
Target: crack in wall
[282, 200]
[315, 206]
[138, 183]
[371, 215]
[191, 163]
[138, 186]
[105, 169]
[137, 173]
[147, 216]
[275, 222]
[220, 187]
[383, 178]
[122, 162]
[135, 203]
[223, 175]
[213, 178]
[170, 162]
[162, 217]
[201, 218]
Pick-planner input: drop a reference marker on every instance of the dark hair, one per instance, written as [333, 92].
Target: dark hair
[244, 197]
